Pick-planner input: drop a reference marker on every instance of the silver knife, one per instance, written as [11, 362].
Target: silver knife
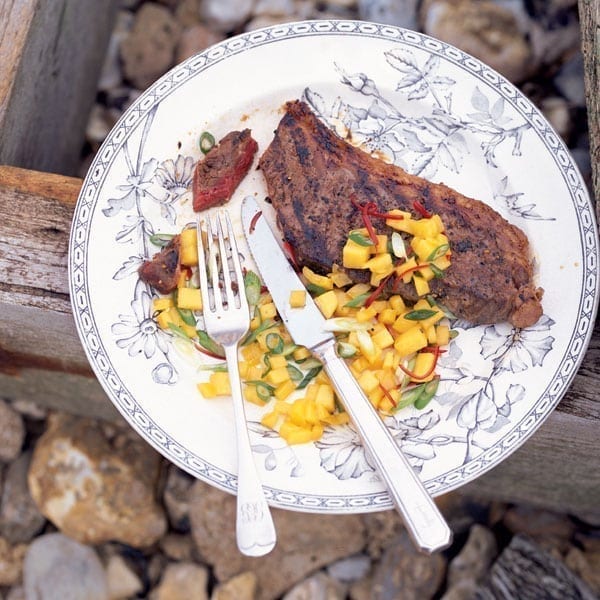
[426, 525]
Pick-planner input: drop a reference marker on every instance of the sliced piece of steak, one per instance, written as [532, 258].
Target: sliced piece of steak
[163, 270]
[311, 174]
[217, 175]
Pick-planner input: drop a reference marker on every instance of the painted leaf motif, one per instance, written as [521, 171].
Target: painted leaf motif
[479, 411]
[480, 101]
[129, 267]
[402, 60]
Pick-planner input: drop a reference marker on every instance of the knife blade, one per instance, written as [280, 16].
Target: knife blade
[307, 326]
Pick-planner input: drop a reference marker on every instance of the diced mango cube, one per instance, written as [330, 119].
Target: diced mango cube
[383, 338]
[365, 314]
[320, 280]
[368, 381]
[339, 277]
[404, 224]
[442, 334]
[327, 303]
[270, 419]
[301, 353]
[283, 390]
[380, 263]
[252, 353]
[397, 303]
[277, 361]
[188, 250]
[325, 397]
[421, 286]
[355, 256]
[251, 395]
[207, 389]
[189, 298]
[267, 311]
[162, 303]
[410, 341]
[277, 376]
[358, 289]
[298, 298]
[387, 316]
[423, 369]
[426, 228]
[220, 381]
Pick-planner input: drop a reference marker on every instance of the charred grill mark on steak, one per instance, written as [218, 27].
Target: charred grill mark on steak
[163, 270]
[217, 176]
[311, 175]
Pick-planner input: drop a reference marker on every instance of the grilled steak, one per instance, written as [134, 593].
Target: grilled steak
[311, 176]
[220, 172]
[163, 270]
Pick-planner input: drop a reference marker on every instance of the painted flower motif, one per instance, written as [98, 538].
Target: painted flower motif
[139, 185]
[359, 82]
[175, 176]
[138, 332]
[516, 350]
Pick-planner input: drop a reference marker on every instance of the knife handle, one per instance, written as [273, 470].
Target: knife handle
[424, 522]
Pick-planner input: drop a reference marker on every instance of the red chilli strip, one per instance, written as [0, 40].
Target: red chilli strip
[254, 220]
[387, 395]
[291, 255]
[371, 208]
[416, 377]
[421, 210]
[364, 213]
[377, 291]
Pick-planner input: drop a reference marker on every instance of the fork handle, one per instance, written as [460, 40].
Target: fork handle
[424, 522]
[255, 531]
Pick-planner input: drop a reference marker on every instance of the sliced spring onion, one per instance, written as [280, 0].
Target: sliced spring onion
[267, 362]
[187, 316]
[309, 363]
[263, 390]
[420, 314]
[206, 142]
[289, 349]
[252, 286]
[161, 239]
[366, 343]
[439, 273]
[398, 245]
[274, 343]
[315, 290]
[340, 324]
[295, 373]
[312, 373]
[346, 350]
[252, 335]
[360, 238]
[357, 301]
[219, 368]
[427, 394]
[179, 332]
[207, 342]
[439, 251]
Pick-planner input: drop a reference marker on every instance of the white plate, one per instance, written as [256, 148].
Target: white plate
[440, 113]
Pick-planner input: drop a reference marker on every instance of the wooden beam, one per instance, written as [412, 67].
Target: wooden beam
[589, 17]
[52, 54]
[41, 358]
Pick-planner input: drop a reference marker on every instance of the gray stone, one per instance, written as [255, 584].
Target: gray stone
[556, 110]
[402, 13]
[11, 562]
[466, 589]
[405, 573]
[586, 564]
[176, 498]
[149, 49]
[225, 15]
[240, 587]
[475, 557]
[569, 81]
[95, 488]
[12, 432]
[59, 568]
[317, 587]
[122, 581]
[305, 542]
[20, 518]
[182, 581]
[16, 593]
[177, 546]
[195, 38]
[111, 76]
[350, 569]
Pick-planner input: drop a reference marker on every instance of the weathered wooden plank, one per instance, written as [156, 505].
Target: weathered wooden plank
[52, 53]
[589, 17]
[41, 358]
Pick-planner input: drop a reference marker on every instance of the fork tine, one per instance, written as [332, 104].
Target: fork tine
[202, 266]
[213, 266]
[228, 291]
[235, 260]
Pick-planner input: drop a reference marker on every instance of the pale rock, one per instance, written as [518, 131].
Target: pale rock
[226, 15]
[382, 529]
[475, 557]
[305, 542]
[96, 489]
[317, 587]
[483, 29]
[182, 581]
[465, 589]
[240, 587]
[350, 569]
[11, 562]
[16, 593]
[110, 76]
[361, 589]
[274, 8]
[176, 498]
[266, 21]
[98, 125]
[586, 564]
[149, 49]
[556, 110]
[20, 518]
[30, 409]
[404, 573]
[12, 432]
[550, 45]
[122, 581]
[156, 567]
[59, 568]
[194, 39]
[402, 13]
[177, 546]
[187, 12]
[570, 80]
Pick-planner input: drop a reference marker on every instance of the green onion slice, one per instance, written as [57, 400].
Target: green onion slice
[341, 324]
[346, 350]
[360, 238]
[179, 332]
[427, 394]
[312, 373]
[187, 316]
[252, 286]
[161, 239]
[208, 343]
[438, 252]
[274, 343]
[263, 390]
[420, 314]
[206, 142]
[251, 337]
[315, 290]
[357, 301]
[295, 373]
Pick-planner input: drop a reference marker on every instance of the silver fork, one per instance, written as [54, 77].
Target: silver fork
[227, 319]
